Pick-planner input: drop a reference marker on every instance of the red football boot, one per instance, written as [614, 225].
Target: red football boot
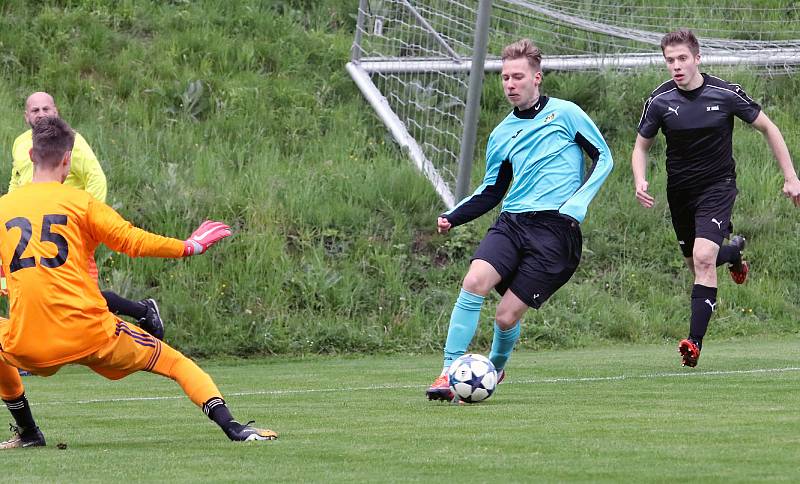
[690, 352]
[440, 389]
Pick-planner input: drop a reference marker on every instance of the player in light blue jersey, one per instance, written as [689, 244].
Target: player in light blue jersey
[534, 158]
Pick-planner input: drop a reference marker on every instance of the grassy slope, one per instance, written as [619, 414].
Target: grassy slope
[334, 248]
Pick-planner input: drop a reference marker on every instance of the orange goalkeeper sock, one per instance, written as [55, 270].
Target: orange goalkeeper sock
[196, 383]
[10, 382]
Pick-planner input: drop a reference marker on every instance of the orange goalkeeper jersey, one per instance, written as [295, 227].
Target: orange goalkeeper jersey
[48, 232]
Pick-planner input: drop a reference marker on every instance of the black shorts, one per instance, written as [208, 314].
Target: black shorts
[535, 253]
[705, 214]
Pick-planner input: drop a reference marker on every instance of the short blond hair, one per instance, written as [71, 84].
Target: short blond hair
[523, 48]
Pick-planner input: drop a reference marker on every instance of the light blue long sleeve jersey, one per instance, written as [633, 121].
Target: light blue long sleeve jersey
[538, 153]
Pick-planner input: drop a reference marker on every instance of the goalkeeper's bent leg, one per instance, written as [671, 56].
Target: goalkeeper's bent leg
[13, 395]
[10, 382]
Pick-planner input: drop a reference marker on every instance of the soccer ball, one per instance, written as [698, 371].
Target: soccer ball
[472, 378]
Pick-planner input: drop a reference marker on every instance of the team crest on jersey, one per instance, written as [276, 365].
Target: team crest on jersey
[549, 118]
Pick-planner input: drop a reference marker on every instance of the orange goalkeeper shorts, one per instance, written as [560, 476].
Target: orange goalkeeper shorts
[129, 350]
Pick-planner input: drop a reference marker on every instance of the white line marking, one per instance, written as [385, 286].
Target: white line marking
[536, 381]
[658, 375]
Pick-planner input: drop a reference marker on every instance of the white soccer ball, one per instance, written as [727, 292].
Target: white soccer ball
[472, 378]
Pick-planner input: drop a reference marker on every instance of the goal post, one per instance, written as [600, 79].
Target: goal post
[473, 108]
[397, 128]
[420, 63]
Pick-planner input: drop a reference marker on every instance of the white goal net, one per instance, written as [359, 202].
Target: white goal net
[412, 58]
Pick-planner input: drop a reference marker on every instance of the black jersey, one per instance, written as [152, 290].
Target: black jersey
[698, 126]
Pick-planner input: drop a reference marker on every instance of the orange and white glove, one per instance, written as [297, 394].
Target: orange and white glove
[206, 235]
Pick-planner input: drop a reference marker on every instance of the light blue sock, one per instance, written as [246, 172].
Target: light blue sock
[503, 344]
[463, 323]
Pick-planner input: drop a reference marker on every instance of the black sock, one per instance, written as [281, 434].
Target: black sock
[704, 300]
[728, 254]
[217, 411]
[21, 411]
[119, 305]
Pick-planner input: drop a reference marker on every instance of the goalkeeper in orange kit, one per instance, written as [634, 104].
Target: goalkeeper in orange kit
[58, 316]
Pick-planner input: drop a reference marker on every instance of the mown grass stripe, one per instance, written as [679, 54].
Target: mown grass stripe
[534, 381]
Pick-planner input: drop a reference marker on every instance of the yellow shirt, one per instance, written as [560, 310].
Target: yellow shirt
[48, 232]
[85, 172]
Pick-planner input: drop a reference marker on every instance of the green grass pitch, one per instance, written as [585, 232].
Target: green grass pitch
[619, 413]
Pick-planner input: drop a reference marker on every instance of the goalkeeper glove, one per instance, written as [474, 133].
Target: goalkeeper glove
[206, 235]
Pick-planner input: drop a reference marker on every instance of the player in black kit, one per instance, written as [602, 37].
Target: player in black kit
[695, 112]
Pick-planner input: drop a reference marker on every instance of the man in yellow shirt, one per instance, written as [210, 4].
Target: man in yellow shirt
[85, 174]
[48, 231]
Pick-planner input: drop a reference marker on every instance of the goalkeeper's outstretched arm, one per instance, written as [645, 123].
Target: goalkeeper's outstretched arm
[110, 228]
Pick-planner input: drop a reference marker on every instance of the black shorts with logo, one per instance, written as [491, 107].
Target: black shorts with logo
[704, 214]
[535, 253]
